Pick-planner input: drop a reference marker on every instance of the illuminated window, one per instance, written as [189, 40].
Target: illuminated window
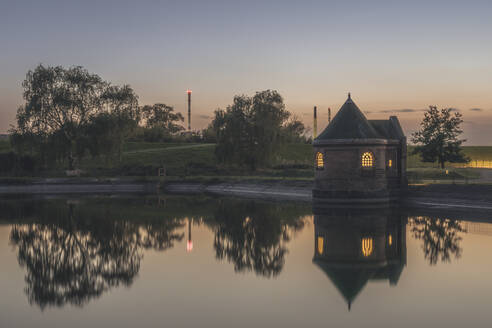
[367, 160]
[321, 242]
[319, 161]
[390, 163]
[367, 246]
[390, 240]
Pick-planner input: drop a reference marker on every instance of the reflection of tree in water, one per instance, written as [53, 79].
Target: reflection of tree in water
[71, 259]
[441, 237]
[253, 235]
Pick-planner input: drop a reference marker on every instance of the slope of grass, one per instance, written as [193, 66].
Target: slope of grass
[475, 153]
[133, 146]
[418, 174]
[297, 154]
[4, 145]
[293, 160]
[188, 159]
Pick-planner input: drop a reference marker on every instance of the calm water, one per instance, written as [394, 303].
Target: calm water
[219, 262]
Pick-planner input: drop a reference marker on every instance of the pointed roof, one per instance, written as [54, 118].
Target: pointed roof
[389, 129]
[348, 281]
[349, 123]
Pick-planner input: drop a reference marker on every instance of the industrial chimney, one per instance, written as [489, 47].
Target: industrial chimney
[189, 109]
[315, 124]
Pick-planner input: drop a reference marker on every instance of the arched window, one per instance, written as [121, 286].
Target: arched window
[367, 246]
[367, 159]
[390, 163]
[320, 164]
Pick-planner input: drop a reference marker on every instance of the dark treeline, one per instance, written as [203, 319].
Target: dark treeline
[70, 113]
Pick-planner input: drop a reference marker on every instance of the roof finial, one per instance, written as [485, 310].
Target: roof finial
[349, 303]
[349, 96]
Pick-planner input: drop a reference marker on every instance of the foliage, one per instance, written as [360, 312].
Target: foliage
[249, 132]
[437, 139]
[294, 131]
[161, 122]
[64, 107]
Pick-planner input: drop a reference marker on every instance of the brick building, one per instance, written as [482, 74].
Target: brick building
[359, 160]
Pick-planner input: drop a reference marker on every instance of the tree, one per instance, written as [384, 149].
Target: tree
[249, 131]
[294, 131]
[61, 104]
[437, 139]
[441, 237]
[108, 129]
[58, 103]
[161, 121]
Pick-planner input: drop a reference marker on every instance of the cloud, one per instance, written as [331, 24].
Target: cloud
[402, 110]
[476, 109]
[205, 117]
[452, 109]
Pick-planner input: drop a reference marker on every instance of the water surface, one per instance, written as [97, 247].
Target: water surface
[222, 262]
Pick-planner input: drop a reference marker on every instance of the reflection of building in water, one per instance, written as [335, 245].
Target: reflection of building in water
[353, 248]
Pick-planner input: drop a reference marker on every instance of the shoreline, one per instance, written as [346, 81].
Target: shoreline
[433, 196]
[450, 197]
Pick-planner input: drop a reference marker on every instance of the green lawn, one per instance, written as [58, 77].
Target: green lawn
[476, 153]
[4, 145]
[147, 146]
[188, 159]
[178, 159]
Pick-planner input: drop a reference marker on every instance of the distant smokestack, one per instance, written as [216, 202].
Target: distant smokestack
[329, 115]
[189, 109]
[315, 124]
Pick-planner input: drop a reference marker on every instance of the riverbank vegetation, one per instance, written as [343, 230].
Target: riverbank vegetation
[75, 123]
[198, 161]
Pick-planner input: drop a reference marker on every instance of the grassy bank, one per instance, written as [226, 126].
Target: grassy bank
[475, 153]
[197, 161]
[4, 146]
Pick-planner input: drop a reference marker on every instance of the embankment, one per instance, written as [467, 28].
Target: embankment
[434, 196]
[439, 196]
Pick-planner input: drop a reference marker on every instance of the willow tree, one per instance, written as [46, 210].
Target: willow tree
[249, 131]
[61, 103]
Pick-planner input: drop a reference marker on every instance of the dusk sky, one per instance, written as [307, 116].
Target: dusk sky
[395, 57]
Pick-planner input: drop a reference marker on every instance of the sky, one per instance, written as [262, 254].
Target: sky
[395, 57]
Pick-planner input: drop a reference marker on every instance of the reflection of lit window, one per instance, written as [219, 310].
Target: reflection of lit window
[319, 160]
[367, 160]
[390, 240]
[367, 246]
[390, 163]
[321, 241]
